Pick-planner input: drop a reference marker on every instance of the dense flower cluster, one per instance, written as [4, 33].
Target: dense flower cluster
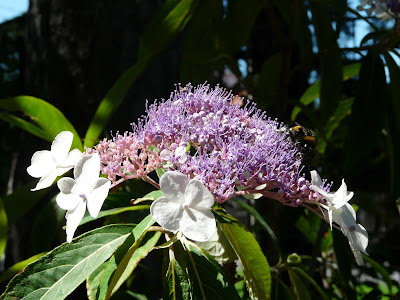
[201, 133]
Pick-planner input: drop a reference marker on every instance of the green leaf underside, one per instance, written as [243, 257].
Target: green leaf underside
[57, 274]
[48, 120]
[255, 265]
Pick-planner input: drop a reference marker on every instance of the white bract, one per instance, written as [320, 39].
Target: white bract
[343, 214]
[86, 190]
[47, 165]
[185, 206]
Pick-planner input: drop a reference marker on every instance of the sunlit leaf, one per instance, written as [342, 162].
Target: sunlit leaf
[3, 227]
[47, 120]
[255, 266]
[59, 272]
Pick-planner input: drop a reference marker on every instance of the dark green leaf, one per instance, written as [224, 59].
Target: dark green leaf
[367, 115]
[207, 276]
[381, 270]
[13, 270]
[255, 266]
[21, 201]
[130, 261]
[300, 290]
[330, 61]
[58, 273]
[177, 285]
[312, 281]
[263, 223]
[48, 120]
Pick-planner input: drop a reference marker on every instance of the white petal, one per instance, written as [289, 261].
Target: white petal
[42, 163]
[66, 184]
[315, 178]
[345, 217]
[96, 198]
[46, 181]
[341, 196]
[173, 185]
[74, 217]
[359, 238]
[198, 224]
[86, 171]
[61, 145]
[197, 194]
[166, 213]
[72, 158]
[68, 201]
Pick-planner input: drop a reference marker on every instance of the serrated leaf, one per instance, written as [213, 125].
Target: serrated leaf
[161, 30]
[255, 265]
[58, 273]
[3, 228]
[48, 120]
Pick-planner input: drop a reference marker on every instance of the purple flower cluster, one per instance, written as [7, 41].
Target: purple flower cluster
[202, 133]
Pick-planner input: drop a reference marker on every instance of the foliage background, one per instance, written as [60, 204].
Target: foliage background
[291, 57]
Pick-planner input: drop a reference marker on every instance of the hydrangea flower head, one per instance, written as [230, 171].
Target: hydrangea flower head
[47, 165]
[185, 206]
[230, 147]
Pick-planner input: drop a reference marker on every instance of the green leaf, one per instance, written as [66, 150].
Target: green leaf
[263, 223]
[300, 290]
[381, 270]
[93, 281]
[130, 261]
[109, 212]
[206, 276]
[121, 255]
[22, 201]
[161, 30]
[312, 281]
[330, 60]
[312, 93]
[153, 195]
[58, 273]
[3, 228]
[367, 115]
[255, 266]
[13, 270]
[48, 121]
[177, 285]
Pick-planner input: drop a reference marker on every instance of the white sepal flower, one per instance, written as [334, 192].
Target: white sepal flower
[335, 200]
[185, 206]
[47, 165]
[343, 214]
[86, 190]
